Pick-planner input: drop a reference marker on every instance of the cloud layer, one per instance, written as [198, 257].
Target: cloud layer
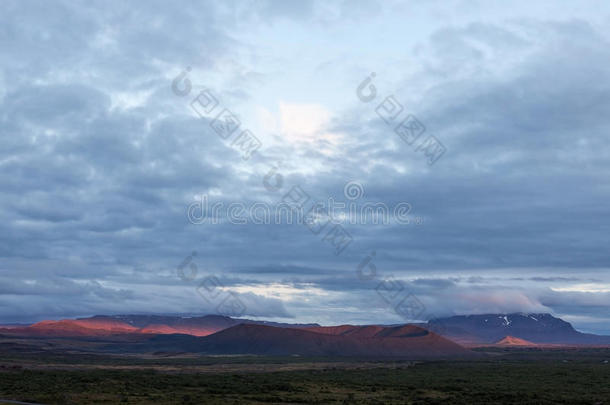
[100, 158]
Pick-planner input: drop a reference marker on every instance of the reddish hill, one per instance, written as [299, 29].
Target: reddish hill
[401, 341]
[370, 331]
[513, 341]
[97, 327]
[347, 330]
[159, 329]
[167, 330]
[75, 327]
[102, 325]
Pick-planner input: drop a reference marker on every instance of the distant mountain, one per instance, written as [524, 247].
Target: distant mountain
[464, 329]
[405, 341]
[490, 328]
[102, 325]
[78, 327]
[14, 325]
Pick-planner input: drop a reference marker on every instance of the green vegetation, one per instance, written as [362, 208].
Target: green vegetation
[523, 377]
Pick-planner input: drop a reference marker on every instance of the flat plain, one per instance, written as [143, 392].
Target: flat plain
[502, 376]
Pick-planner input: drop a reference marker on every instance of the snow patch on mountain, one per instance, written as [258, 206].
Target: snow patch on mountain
[506, 322]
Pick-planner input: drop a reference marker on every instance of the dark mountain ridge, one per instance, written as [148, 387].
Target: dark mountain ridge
[490, 328]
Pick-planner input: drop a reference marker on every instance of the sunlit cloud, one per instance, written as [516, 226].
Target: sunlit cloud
[284, 292]
[585, 288]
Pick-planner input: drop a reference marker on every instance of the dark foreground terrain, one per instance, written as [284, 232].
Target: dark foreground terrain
[505, 376]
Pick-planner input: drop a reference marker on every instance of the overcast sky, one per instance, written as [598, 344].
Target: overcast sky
[100, 157]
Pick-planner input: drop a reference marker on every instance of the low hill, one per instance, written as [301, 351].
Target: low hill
[74, 327]
[401, 341]
[513, 341]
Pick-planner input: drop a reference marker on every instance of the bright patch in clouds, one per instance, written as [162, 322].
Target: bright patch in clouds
[586, 288]
[303, 121]
[299, 123]
[131, 99]
[284, 292]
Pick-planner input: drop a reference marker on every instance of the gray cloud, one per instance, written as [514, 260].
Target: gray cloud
[99, 161]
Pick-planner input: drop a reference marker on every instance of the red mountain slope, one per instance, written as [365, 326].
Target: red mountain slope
[403, 341]
[513, 341]
[369, 331]
[347, 330]
[166, 330]
[94, 327]
[76, 327]
[102, 325]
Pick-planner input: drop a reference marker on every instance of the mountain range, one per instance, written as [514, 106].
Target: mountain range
[104, 325]
[220, 335]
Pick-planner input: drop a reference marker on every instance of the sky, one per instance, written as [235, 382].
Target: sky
[114, 132]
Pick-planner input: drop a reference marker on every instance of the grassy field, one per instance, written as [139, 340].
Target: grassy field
[507, 377]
